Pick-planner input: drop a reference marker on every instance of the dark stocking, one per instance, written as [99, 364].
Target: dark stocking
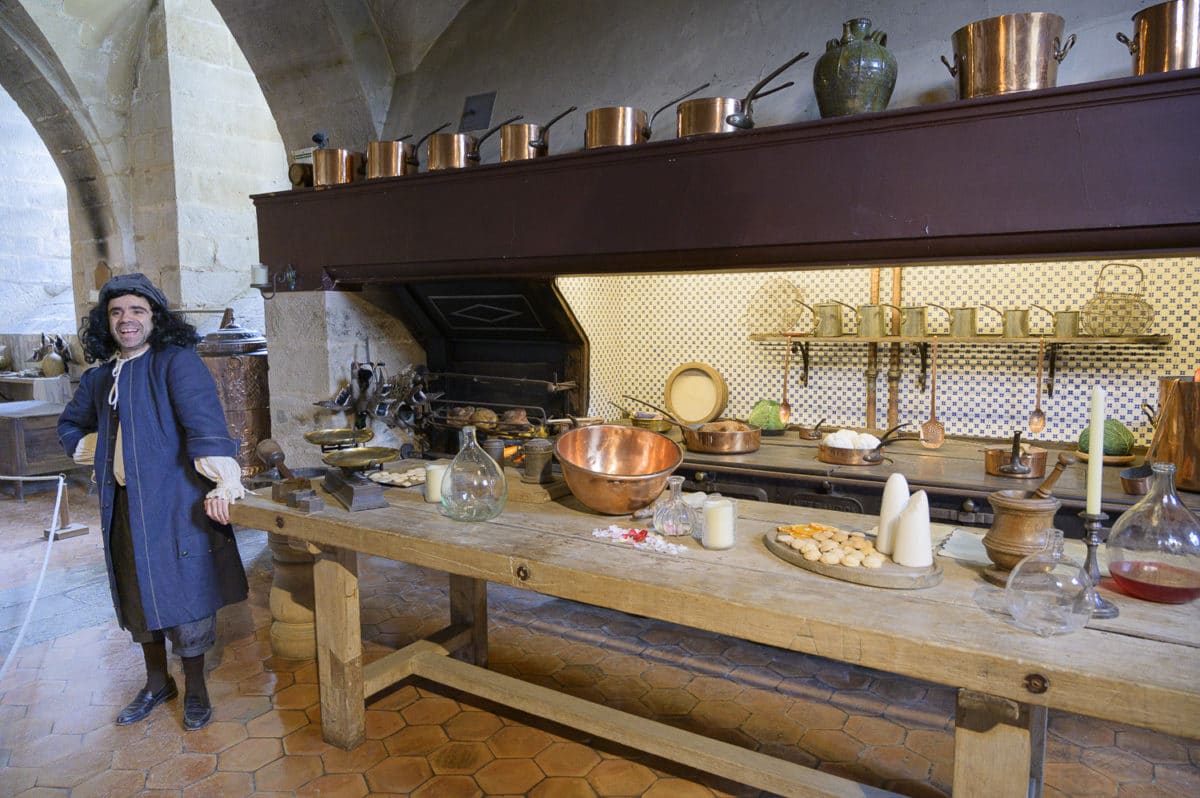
[155, 654]
[193, 675]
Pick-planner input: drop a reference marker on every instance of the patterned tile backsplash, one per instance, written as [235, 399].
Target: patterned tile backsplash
[641, 327]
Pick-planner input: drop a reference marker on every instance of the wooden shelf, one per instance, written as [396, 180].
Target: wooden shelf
[989, 340]
[1088, 170]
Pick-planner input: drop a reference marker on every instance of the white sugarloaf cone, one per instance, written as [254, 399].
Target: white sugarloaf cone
[895, 498]
[913, 546]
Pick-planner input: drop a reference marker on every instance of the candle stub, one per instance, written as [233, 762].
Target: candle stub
[258, 274]
[720, 523]
[433, 481]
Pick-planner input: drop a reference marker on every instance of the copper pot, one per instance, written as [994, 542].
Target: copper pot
[1014, 52]
[459, 150]
[390, 158]
[623, 125]
[725, 114]
[526, 141]
[837, 455]
[333, 166]
[1165, 37]
[1031, 457]
[722, 442]
[616, 469]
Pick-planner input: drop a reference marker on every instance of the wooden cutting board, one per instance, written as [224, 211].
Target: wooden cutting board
[891, 575]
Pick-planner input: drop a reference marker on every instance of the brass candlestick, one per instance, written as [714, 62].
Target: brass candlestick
[1101, 607]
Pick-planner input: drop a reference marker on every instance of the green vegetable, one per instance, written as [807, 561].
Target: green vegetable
[766, 415]
[1118, 440]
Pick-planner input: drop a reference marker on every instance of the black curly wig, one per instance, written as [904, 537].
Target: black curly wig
[99, 345]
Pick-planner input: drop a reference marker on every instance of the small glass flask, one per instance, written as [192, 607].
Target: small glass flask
[674, 517]
[1154, 547]
[473, 487]
[1048, 592]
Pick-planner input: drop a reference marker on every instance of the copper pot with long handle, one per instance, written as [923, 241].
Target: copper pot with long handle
[624, 125]
[726, 114]
[459, 150]
[390, 158]
[527, 141]
[333, 166]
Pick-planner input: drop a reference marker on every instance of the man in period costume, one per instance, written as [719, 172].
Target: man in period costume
[150, 422]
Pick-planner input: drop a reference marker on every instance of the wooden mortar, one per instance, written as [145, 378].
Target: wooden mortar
[1020, 523]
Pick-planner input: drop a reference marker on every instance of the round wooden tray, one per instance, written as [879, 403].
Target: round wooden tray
[1109, 459]
[696, 393]
[890, 575]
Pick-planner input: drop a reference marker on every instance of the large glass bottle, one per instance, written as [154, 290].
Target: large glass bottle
[1048, 592]
[673, 516]
[473, 488]
[1154, 547]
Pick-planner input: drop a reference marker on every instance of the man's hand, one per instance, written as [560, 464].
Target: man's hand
[217, 509]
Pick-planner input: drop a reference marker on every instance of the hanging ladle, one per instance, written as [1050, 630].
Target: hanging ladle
[1037, 419]
[785, 409]
[932, 433]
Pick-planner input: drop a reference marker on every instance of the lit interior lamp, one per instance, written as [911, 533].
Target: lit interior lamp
[264, 281]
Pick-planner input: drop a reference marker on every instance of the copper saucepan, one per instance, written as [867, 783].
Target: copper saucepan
[390, 158]
[623, 125]
[333, 166]
[725, 114]
[525, 141]
[459, 150]
[705, 439]
[835, 455]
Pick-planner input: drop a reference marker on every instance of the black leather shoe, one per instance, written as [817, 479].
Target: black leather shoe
[197, 712]
[145, 701]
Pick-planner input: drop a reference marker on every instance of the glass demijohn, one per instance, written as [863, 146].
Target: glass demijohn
[1154, 547]
[673, 516]
[1048, 592]
[473, 488]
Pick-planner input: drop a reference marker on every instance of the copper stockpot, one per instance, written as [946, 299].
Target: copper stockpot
[390, 158]
[333, 166]
[1014, 52]
[725, 114]
[458, 150]
[1165, 37]
[526, 141]
[623, 125]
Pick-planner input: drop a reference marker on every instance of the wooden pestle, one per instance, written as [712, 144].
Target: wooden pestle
[1043, 491]
[271, 453]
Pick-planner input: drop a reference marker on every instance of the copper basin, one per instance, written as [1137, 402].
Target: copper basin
[615, 469]
[1033, 456]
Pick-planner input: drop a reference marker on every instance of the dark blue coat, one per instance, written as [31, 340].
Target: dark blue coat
[187, 564]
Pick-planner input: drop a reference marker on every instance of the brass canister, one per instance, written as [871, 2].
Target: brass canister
[237, 359]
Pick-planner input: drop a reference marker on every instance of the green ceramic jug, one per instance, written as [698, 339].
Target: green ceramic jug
[856, 73]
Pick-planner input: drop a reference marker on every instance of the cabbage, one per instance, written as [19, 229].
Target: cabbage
[766, 415]
[1118, 440]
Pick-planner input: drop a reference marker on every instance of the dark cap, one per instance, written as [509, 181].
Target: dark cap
[136, 283]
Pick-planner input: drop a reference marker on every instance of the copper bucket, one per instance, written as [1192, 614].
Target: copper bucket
[1014, 52]
[1165, 37]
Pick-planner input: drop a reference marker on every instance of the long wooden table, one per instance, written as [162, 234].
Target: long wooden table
[1141, 668]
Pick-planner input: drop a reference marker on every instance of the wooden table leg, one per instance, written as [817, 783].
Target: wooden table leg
[468, 605]
[339, 647]
[999, 747]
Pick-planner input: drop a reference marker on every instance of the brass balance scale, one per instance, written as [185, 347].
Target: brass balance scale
[346, 480]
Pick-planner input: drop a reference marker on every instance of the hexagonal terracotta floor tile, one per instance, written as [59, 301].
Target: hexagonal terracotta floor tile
[448, 786]
[567, 759]
[415, 740]
[620, 777]
[277, 723]
[336, 785]
[508, 776]
[287, 773]
[220, 785]
[356, 760]
[519, 741]
[562, 787]
[399, 774]
[874, 731]
[464, 757]
[250, 754]
[434, 709]
[472, 726]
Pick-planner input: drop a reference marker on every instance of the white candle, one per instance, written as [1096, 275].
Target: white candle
[433, 481]
[720, 523]
[895, 499]
[913, 546]
[1095, 471]
[258, 274]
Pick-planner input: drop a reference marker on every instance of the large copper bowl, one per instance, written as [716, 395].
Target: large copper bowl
[615, 469]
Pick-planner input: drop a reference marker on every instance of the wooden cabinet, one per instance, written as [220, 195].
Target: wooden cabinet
[29, 441]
